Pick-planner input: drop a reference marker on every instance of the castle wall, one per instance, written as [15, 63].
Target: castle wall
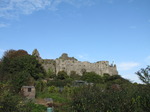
[100, 67]
[49, 64]
[68, 64]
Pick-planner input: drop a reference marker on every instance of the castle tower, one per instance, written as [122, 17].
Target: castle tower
[36, 53]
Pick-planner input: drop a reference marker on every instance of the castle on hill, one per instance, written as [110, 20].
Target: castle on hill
[69, 64]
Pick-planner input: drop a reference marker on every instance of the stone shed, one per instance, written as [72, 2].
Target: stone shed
[28, 91]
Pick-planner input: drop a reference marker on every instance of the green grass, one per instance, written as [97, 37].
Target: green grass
[60, 100]
[38, 108]
[57, 97]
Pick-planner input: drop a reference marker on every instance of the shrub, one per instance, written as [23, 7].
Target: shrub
[52, 89]
[10, 102]
[74, 75]
[91, 77]
[59, 83]
[62, 75]
[97, 99]
[51, 74]
[40, 85]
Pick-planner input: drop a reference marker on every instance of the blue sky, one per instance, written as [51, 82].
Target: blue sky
[89, 30]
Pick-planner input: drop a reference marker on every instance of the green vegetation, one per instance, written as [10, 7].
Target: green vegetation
[144, 75]
[20, 68]
[62, 75]
[74, 75]
[12, 102]
[91, 77]
[51, 74]
[115, 99]
[100, 93]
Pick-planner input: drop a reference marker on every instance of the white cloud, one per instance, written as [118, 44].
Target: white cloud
[2, 25]
[79, 3]
[13, 8]
[54, 5]
[148, 57]
[131, 77]
[147, 60]
[127, 65]
[83, 57]
[86, 57]
[2, 50]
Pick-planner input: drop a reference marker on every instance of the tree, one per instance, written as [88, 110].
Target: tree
[105, 77]
[20, 79]
[11, 102]
[91, 77]
[19, 68]
[97, 99]
[13, 53]
[114, 80]
[144, 75]
[74, 75]
[25, 63]
[51, 74]
[62, 75]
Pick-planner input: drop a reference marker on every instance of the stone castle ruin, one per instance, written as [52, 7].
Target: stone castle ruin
[69, 64]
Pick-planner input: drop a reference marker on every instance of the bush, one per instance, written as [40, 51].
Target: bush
[11, 102]
[74, 75]
[62, 75]
[50, 74]
[36, 107]
[91, 77]
[59, 83]
[40, 86]
[52, 89]
[96, 99]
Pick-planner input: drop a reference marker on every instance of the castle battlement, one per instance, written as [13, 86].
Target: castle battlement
[69, 64]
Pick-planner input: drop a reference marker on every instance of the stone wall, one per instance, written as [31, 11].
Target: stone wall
[49, 64]
[68, 64]
[100, 67]
[28, 92]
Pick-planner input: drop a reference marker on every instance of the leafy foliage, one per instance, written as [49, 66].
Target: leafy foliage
[144, 75]
[13, 53]
[91, 77]
[52, 89]
[40, 86]
[59, 83]
[62, 75]
[96, 99]
[74, 75]
[108, 94]
[19, 68]
[26, 63]
[51, 74]
[11, 102]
